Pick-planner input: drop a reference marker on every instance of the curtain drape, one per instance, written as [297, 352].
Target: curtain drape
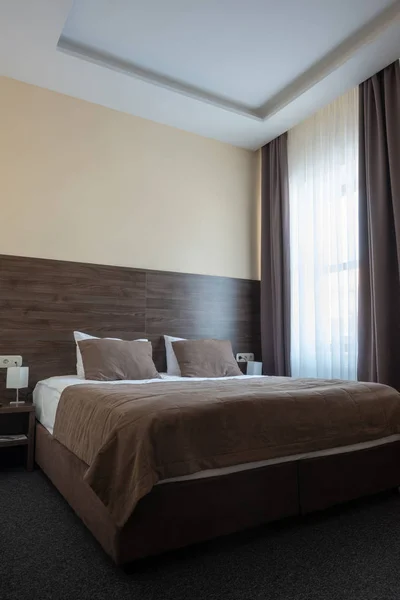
[379, 288]
[275, 262]
[323, 184]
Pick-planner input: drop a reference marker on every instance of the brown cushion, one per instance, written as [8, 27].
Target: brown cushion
[206, 358]
[109, 360]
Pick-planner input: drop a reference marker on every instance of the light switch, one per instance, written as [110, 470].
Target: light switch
[244, 356]
[10, 360]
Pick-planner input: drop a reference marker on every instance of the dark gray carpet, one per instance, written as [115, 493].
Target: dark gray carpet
[347, 553]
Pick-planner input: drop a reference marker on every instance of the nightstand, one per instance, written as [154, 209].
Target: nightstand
[17, 428]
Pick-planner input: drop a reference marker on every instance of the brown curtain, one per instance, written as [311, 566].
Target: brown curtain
[379, 218]
[275, 266]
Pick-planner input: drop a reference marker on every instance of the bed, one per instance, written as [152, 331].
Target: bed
[210, 498]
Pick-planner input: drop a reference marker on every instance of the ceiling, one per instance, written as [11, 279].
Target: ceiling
[240, 71]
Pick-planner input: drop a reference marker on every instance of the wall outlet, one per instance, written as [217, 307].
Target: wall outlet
[244, 356]
[10, 361]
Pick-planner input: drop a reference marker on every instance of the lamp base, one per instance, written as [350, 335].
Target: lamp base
[17, 401]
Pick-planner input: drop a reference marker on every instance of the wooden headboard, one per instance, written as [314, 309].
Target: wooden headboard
[43, 301]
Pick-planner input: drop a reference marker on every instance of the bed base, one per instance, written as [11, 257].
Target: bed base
[177, 514]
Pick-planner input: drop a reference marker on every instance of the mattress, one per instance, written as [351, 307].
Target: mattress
[47, 394]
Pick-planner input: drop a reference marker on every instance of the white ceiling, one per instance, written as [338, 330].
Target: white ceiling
[241, 71]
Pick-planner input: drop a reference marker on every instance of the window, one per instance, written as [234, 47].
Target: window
[323, 183]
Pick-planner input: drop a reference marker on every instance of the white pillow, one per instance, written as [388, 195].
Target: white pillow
[79, 336]
[172, 363]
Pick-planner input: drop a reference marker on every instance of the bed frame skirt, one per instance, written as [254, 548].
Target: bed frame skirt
[177, 514]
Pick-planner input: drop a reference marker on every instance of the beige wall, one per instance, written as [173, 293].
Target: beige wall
[85, 183]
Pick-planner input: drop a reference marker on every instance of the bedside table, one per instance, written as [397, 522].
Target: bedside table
[17, 428]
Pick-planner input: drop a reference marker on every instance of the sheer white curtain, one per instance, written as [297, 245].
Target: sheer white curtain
[323, 184]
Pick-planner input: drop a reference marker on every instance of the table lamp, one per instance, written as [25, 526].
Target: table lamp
[17, 378]
[254, 368]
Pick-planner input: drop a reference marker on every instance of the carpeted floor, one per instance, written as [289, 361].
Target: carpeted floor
[347, 553]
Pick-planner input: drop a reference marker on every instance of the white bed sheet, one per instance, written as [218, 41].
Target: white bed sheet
[47, 393]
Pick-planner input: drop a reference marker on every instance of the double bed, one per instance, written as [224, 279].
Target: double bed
[48, 300]
[216, 455]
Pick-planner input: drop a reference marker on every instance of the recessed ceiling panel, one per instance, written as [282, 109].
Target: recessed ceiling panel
[239, 72]
[242, 51]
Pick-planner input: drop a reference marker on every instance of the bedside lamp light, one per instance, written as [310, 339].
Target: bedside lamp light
[17, 378]
[254, 368]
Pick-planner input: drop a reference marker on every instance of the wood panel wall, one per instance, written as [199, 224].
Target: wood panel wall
[43, 301]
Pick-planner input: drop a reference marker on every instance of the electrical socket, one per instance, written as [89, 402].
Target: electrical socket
[10, 361]
[244, 356]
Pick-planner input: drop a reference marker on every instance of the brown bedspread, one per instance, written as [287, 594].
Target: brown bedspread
[132, 436]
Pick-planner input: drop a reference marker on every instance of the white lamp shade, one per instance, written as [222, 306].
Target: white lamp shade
[254, 368]
[17, 377]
